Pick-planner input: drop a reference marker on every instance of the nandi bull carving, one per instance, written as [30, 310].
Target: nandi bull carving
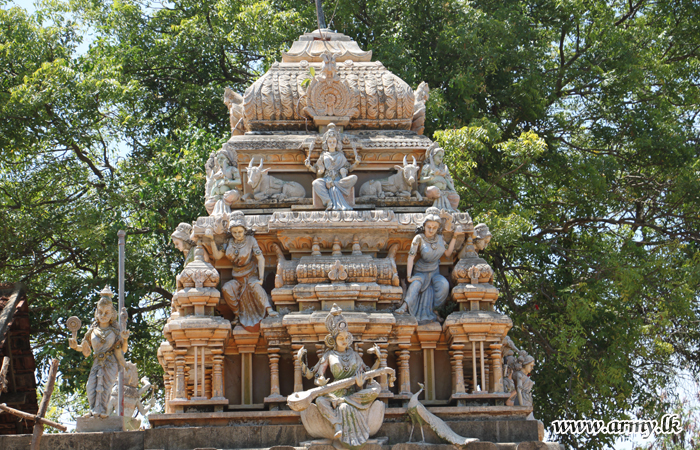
[266, 186]
[403, 183]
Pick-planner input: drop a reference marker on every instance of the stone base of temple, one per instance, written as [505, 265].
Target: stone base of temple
[111, 423]
[513, 434]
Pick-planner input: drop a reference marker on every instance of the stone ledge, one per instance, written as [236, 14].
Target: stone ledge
[499, 434]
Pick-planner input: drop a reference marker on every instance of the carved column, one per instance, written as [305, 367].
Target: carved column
[180, 386]
[383, 379]
[298, 385]
[496, 380]
[458, 369]
[167, 380]
[217, 386]
[273, 354]
[452, 370]
[404, 356]
[247, 378]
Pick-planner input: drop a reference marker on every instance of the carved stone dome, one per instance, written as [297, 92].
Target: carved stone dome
[347, 89]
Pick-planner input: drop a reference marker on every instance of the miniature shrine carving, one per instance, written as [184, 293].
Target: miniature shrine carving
[298, 267]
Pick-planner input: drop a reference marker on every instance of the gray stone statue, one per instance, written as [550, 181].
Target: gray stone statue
[346, 410]
[404, 183]
[265, 186]
[244, 293]
[132, 395]
[333, 184]
[523, 365]
[436, 181]
[108, 344]
[428, 290]
[223, 181]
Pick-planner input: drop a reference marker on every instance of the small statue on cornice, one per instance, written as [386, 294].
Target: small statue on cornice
[421, 98]
[223, 181]
[244, 293]
[437, 182]
[428, 290]
[333, 184]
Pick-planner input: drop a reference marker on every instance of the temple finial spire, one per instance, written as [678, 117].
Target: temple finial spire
[319, 15]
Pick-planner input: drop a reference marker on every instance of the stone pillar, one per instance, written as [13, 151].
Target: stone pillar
[458, 355]
[273, 355]
[474, 378]
[383, 379]
[167, 380]
[247, 378]
[429, 373]
[452, 371]
[298, 385]
[404, 356]
[180, 382]
[496, 379]
[217, 386]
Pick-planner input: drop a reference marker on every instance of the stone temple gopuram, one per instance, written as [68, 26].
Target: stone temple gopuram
[335, 276]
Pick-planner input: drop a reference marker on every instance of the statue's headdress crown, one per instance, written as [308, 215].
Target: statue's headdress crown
[183, 231]
[335, 324]
[237, 219]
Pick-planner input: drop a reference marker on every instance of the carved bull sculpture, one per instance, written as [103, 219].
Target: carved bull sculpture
[404, 183]
[266, 186]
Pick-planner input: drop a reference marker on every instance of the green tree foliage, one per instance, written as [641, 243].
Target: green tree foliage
[571, 129]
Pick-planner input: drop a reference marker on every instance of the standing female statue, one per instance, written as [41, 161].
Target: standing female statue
[244, 294]
[523, 383]
[349, 414]
[108, 345]
[428, 289]
[333, 183]
[435, 176]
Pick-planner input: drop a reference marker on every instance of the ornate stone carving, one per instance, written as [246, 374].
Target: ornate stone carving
[358, 416]
[421, 96]
[312, 46]
[436, 182]
[337, 273]
[404, 183]
[328, 98]
[366, 93]
[244, 293]
[333, 186]
[223, 181]
[234, 103]
[108, 344]
[428, 289]
[265, 186]
[132, 395]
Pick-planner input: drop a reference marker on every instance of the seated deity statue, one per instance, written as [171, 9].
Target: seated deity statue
[333, 184]
[427, 290]
[107, 344]
[223, 181]
[346, 410]
[244, 293]
[436, 182]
